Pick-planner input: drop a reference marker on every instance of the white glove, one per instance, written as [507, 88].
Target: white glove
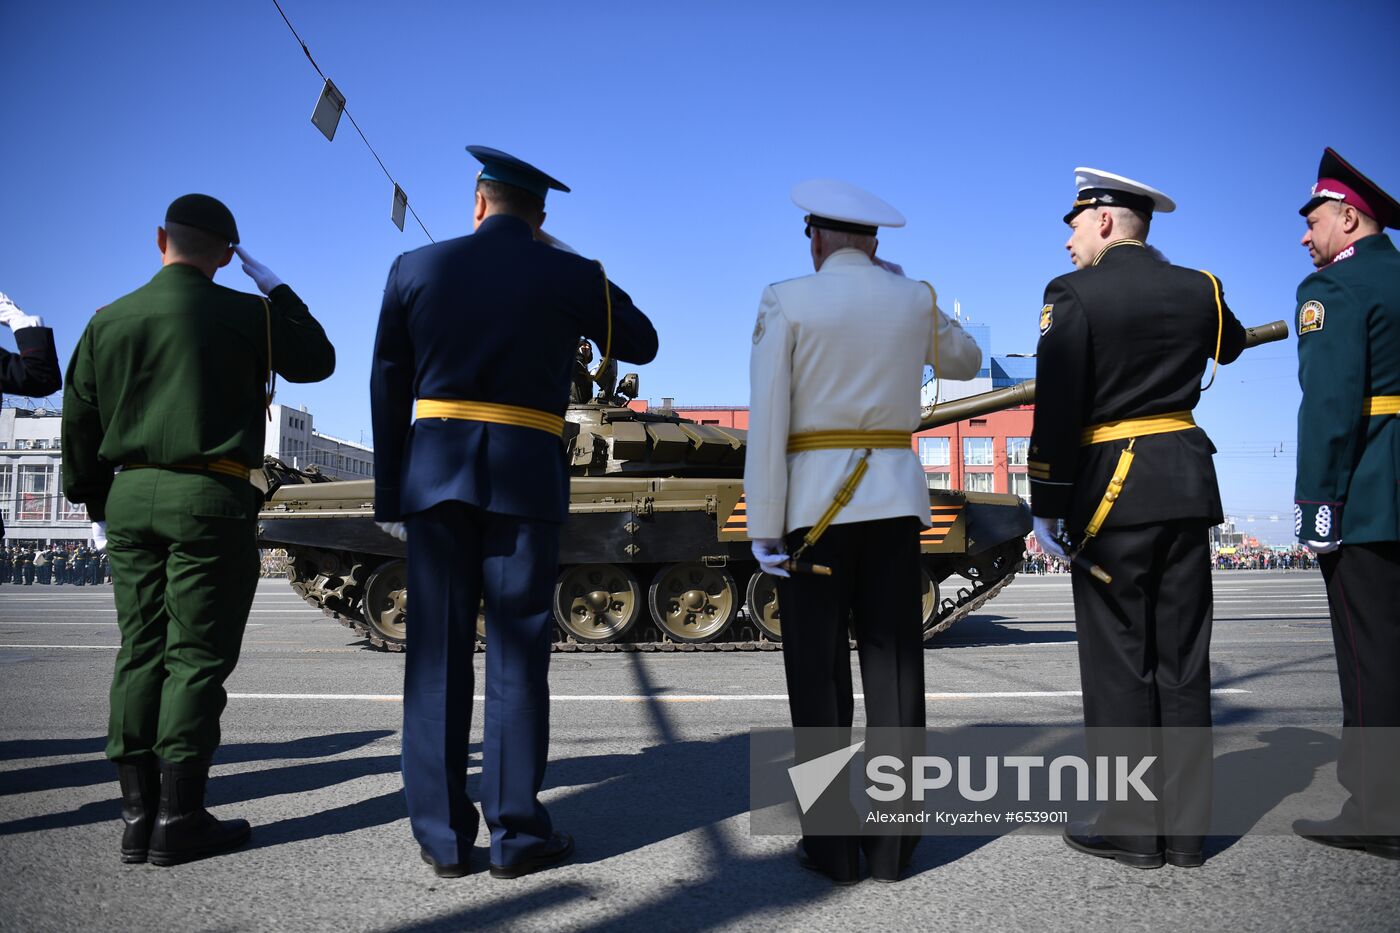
[888, 266]
[263, 277]
[1322, 547]
[14, 317]
[99, 535]
[1049, 532]
[769, 554]
[394, 529]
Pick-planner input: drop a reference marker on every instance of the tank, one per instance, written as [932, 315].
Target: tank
[654, 555]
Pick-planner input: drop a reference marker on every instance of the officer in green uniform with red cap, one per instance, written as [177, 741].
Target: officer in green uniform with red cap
[1347, 498]
[164, 413]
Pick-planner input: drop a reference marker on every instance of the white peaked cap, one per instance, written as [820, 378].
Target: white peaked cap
[830, 199]
[1105, 185]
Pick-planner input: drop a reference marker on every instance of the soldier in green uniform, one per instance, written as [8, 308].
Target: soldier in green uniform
[164, 414]
[1347, 497]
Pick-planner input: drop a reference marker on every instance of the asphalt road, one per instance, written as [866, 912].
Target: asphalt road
[649, 773]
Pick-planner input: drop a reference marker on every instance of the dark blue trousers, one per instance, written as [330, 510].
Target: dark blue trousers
[458, 554]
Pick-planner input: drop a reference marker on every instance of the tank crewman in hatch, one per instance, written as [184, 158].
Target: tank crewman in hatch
[1348, 486]
[469, 383]
[171, 383]
[834, 377]
[34, 370]
[1124, 344]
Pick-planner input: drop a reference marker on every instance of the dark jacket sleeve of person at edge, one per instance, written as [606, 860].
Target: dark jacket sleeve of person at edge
[164, 415]
[1125, 344]
[470, 380]
[1347, 494]
[33, 371]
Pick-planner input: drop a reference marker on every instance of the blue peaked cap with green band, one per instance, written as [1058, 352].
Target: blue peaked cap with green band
[508, 170]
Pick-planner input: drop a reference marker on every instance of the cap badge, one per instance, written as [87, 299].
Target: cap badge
[1310, 317]
[1047, 317]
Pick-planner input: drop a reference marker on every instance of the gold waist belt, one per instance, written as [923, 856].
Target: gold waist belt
[222, 466]
[849, 440]
[1382, 405]
[1136, 427]
[490, 413]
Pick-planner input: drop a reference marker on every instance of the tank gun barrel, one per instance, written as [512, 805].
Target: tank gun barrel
[975, 406]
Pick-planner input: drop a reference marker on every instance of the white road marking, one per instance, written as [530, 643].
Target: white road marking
[679, 698]
[74, 647]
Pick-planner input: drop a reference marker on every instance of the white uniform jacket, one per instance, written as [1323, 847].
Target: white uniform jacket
[844, 348]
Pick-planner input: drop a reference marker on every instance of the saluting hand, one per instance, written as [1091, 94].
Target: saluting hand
[14, 318]
[263, 277]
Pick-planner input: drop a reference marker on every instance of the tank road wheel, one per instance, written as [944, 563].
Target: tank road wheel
[763, 605]
[929, 593]
[386, 605]
[597, 602]
[693, 603]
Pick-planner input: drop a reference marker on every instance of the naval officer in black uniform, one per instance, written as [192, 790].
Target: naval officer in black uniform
[1125, 341]
[476, 340]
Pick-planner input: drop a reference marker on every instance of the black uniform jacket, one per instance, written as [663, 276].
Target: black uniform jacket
[492, 317]
[33, 371]
[1128, 337]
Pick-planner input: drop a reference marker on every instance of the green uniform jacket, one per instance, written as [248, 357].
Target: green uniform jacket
[1348, 486]
[174, 373]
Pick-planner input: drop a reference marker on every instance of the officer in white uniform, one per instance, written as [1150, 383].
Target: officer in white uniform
[837, 363]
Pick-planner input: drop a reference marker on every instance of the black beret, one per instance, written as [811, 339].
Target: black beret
[203, 213]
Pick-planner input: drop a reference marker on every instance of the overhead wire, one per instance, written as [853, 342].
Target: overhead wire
[383, 168]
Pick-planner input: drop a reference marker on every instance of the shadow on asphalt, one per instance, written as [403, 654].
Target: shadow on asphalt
[981, 630]
[223, 788]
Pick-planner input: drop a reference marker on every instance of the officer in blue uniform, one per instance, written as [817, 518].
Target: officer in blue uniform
[470, 381]
[1347, 497]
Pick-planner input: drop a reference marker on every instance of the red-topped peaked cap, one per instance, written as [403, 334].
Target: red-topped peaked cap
[1337, 180]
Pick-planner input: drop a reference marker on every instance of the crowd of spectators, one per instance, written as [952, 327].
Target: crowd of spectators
[274, 562]
[1240, 558]
[54, 564]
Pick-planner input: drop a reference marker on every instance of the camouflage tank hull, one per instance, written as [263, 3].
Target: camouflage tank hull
[646, 563]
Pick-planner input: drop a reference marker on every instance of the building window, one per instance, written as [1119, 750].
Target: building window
[938, 480]
[21, 444]
[33, 493]
[7, 493]
[933, 451]
[977, 482]
[1020, 485]
[41, 444]
[71, 511]
[977, 451]
[1016, 448]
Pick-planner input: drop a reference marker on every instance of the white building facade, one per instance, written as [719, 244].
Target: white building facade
[31, 469]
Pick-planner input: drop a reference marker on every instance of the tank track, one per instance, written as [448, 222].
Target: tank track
[337, 595]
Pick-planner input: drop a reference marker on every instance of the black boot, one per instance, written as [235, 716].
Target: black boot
[184, 830]
[139, 777]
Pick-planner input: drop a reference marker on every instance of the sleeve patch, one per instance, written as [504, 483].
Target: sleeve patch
[1047, 317]
[758, 328]
[1310, 317]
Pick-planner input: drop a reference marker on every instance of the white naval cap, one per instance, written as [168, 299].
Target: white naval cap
[837, 205]
[1098, 188]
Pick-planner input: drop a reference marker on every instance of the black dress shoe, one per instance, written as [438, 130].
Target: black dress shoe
[1082, 838]
[559, 847]
[1330, 833]
[811, 864]
[456, 870]
[1185, 859]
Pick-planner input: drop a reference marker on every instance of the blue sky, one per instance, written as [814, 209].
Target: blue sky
[681, 129]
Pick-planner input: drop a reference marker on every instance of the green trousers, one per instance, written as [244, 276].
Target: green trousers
[184, 557]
